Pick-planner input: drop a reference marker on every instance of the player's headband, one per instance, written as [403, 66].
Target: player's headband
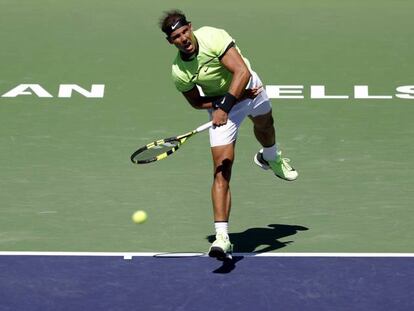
[174, 26]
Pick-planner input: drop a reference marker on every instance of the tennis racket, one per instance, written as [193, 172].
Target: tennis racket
[160, 149]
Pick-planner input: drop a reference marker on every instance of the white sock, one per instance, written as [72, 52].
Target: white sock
[269, 153]
[222, 227]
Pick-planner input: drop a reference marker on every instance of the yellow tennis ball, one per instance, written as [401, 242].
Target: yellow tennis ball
[139, 217]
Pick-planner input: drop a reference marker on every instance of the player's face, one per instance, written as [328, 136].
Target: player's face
[183, 38]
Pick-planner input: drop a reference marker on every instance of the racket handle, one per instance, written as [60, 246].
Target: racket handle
[203, 127]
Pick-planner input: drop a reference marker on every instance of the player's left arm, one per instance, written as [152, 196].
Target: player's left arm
[233, 61]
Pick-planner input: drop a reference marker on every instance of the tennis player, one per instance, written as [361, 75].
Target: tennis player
[212, 74]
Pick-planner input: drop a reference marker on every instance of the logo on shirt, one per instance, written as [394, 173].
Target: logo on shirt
[200, 68]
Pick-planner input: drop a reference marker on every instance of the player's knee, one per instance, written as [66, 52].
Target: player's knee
[222, 173]
[265, 124]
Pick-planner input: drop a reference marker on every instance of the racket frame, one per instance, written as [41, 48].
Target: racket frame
[181, 139]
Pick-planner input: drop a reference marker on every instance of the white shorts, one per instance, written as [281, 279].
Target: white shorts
[227, 134]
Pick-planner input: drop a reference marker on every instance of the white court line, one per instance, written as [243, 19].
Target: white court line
[129, 255]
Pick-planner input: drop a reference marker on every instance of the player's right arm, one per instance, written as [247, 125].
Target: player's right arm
[195, 99]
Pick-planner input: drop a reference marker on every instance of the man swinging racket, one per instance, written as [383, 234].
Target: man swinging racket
[211, 73]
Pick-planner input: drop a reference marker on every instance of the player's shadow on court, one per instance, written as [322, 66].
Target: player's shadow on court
[257, 240]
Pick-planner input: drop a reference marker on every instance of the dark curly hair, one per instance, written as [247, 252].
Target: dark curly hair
[170, 18]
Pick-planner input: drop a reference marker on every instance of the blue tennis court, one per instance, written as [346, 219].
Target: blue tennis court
[199, 283]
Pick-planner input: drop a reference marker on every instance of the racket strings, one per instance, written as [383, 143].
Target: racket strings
[154, 150]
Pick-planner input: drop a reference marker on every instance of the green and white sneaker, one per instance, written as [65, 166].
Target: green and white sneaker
[279, 166]
[221, 248]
